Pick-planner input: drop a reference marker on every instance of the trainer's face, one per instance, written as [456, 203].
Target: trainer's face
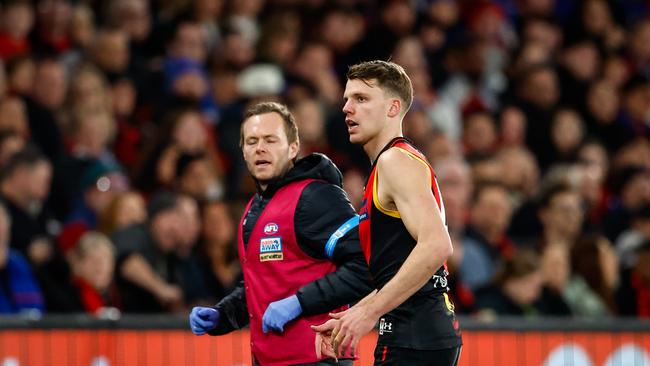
[366, 109]
[266, 149]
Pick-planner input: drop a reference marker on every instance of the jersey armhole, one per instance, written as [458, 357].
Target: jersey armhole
[375, 196]
[375, 200]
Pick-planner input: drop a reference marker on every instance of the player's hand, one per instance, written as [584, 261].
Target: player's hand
[352, 325]
[324, 339]
[280, 313]
[203, 319]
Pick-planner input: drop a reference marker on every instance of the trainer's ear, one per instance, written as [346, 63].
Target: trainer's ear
[395, 108]
[294, 148]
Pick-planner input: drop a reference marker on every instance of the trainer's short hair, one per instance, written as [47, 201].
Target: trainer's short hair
[290, 126]
[390, 76]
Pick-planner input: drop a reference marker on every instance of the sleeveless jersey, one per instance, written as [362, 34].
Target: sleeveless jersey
[426, 320]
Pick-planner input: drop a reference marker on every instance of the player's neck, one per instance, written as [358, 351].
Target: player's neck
[375, 145]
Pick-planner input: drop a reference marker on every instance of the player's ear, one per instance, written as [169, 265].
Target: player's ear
[395, 108]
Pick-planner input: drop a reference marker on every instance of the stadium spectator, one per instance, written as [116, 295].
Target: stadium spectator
[485, 242]
[515, 288]
[125, 209]
[146, 261]
[17, 19]
[196, 176]
[100, 184]
[631, 190]
[24, 188]
[634, 237]
[13, 116]
[591, 291]
[93, 265]
[218, 257]
[632, 296]
[184, 131]
[10, 143]
[20, 291]
[561, 212]
[44, 100]
[190, 277]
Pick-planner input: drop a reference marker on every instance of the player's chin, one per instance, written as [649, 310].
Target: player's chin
[356, 139]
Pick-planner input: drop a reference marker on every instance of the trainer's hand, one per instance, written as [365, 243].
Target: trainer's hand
[203, 320]
[280, 313]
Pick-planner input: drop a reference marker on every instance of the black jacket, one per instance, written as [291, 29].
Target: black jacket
[322, 208]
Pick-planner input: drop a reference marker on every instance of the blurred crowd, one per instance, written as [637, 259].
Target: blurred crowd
[122, 180]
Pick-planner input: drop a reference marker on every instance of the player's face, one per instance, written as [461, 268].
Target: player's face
[266, 149]
[366, 107]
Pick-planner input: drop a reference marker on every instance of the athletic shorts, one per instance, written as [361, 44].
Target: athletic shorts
[392, 356]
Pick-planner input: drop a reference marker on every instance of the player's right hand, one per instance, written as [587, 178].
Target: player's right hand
[203, 319]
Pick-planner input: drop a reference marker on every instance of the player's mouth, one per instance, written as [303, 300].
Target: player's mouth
[352, 125]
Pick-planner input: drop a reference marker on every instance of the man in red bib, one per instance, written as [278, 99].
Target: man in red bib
[298, 247]
[402, 231]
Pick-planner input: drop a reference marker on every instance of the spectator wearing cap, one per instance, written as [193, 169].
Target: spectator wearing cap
[100, 184]
[146, 261]
[184, 70]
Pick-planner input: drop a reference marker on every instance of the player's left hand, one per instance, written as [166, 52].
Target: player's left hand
[351, 326]
[280, 313]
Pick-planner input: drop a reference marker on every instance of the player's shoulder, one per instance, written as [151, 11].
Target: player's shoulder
[401, 162]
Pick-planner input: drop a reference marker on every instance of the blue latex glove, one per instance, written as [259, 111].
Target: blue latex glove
[203, 319]
[280, 313]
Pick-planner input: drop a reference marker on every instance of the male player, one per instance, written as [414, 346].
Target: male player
[402, 232]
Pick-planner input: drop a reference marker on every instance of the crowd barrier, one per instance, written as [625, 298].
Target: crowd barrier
[166, 340]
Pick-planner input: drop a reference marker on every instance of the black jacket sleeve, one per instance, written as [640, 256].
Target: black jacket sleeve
[322, 210]
[233, 311]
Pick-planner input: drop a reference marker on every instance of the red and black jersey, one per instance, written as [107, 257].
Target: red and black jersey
[385, 241]
[426, 320]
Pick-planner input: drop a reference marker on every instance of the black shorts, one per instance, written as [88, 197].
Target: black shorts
[391, 356]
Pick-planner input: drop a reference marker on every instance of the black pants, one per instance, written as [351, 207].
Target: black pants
[390, 356]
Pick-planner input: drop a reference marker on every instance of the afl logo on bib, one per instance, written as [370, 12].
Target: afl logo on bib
[270, 228]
